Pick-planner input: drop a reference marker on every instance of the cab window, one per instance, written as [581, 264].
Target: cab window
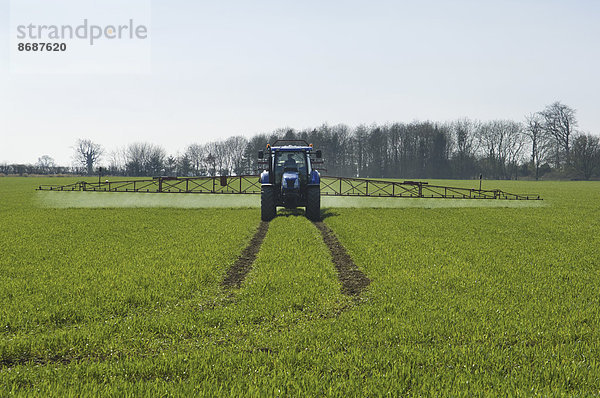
[290, 161]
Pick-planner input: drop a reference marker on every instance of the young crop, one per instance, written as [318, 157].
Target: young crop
[465, 300]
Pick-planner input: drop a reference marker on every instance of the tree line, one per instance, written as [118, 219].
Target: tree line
[547, 143]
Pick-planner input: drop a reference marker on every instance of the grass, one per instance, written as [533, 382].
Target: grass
[463, 301]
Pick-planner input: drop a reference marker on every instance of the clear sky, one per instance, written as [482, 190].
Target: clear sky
[222, 68]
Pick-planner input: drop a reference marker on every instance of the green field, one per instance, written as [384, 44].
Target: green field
[466, 297]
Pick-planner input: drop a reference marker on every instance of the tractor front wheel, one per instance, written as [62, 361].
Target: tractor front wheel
[313, 203]
[267, 204]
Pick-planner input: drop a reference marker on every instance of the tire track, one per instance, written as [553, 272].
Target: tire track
[352, 279]
[238, 271]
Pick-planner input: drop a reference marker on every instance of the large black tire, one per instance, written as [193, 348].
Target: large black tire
[313, 203]
[267, 204]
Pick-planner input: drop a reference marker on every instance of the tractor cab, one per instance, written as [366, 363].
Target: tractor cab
[289, 179]
[291, 166]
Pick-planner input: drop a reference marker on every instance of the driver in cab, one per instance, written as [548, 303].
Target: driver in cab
[290, 162]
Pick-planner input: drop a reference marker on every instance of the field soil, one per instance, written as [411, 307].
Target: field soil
[352, 279]
[238, 271]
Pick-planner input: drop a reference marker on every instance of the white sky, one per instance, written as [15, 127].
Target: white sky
[243, 67]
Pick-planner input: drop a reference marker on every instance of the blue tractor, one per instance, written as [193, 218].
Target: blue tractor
[290, 180]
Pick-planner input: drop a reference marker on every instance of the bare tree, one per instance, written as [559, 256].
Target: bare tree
[145, 159]
[539, 139]
[586, 155]
[514, 145]
[137, 156]
[196, 155]
[490, 137]
[235, 148]
[211, 162]
[217, 158]
[45, 163]
[502, 143]
[560, 123]
[360, 137]
[117, 160]
[463, 133]
[256, 143]
[87, 154]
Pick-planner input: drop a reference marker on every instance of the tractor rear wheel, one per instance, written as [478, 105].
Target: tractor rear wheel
[313, 203]
[267, 204]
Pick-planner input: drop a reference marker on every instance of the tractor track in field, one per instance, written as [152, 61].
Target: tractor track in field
[353, 280]
[351, 277]
[238, 271]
